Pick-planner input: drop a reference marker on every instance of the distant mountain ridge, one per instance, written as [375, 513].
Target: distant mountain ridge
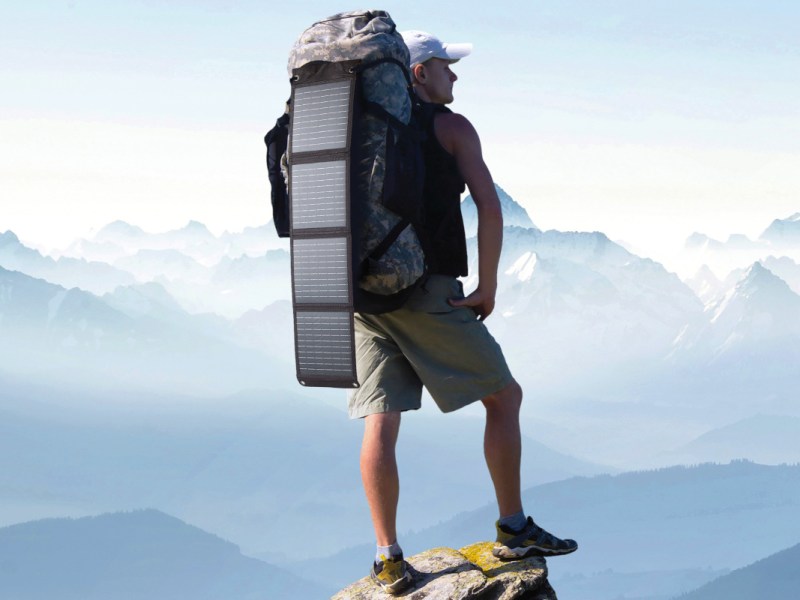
[658, 514]
[759, 317]
[580, 318]
[74, 335]
[97, 277]
[140, 555]
[766, 439]
[194, 240]
[776, 577]
[781, 234]
[514, 215]
[273, 455]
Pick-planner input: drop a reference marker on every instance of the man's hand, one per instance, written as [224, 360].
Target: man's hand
[479, 301]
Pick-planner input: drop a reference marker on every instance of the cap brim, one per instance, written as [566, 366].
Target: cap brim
[455, 51]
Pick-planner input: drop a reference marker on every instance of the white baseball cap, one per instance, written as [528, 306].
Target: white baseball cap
[423, 46]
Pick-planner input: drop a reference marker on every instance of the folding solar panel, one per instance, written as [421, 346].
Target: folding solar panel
[319, 191]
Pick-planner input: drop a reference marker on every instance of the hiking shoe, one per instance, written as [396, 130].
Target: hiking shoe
[391, 574]
[531, 541]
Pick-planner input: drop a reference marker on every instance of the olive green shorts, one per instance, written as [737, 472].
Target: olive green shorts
[430, 343]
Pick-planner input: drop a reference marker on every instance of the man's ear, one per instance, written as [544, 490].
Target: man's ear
[419, 72]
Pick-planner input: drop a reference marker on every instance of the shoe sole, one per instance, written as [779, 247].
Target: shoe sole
[506, 553]
[398, 586]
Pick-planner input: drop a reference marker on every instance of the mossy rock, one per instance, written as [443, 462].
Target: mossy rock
[469, 573]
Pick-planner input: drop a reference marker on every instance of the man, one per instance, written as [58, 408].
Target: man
[438, 338]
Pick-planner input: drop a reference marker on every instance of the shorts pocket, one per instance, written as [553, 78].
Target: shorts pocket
[432, 297]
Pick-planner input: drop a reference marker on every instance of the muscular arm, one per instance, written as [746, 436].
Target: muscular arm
[458, 136]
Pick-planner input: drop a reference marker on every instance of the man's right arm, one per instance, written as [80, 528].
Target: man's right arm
[457, 135]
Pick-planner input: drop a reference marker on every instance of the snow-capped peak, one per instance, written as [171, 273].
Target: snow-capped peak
[705, 284]
[523, 267]
[513, 213]
[783, 232]
[759, 292]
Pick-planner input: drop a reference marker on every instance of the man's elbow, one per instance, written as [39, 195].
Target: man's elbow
[490, 210]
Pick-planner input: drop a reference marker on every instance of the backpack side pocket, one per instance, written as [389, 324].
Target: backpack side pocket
[277, 141]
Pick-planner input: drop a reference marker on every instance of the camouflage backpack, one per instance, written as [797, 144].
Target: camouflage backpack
[385, 172]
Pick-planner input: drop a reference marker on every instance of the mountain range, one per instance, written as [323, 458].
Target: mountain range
[139, 555]
[591, 330]
[249, 466]
[651, 534]
[742, 512]
[777, 248]
[51, 333]
[170, 385]
[775, 576]
[782, 234]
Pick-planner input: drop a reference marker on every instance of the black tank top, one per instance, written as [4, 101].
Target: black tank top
[446, 250]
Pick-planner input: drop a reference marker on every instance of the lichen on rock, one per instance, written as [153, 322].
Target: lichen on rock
[471, 573]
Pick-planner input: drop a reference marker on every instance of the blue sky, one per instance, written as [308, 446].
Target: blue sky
[645, 120]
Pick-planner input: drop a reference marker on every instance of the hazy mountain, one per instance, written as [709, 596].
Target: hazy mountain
[706, 285]
[119, 232]
[766, 439]
[738, 252]
[759, 317]
[722, 504]
[783, 233]
[737, 361]
[775, 577]
[738, 241]
[236, 285]
[584, 304]
[95, 277]
[193, 240]
[145, 555]
[165, 264]
[72, 335]
[735, 241]
[228, 275]
[253, 241]
[36, 312]
[270, 330]
[194, 233]
[618, 584]
[142, 299]
[249, 467]
[120, 240]
[153, 301]
[513, 214]
[785, 268]
[585, 325]
[647, 523]
[106, 252]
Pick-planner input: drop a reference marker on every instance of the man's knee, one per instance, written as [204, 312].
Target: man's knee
[509, 398]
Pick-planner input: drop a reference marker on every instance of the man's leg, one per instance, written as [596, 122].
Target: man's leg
[379, 473]
[517, 536]
[502, 446]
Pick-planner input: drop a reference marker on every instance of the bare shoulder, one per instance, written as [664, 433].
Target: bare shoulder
[454, 131]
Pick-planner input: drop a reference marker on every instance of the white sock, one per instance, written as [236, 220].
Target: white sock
[388, 551]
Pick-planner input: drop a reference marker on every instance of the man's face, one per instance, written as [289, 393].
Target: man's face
[437, 80]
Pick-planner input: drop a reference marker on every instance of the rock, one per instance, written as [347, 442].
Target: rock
[466, 574]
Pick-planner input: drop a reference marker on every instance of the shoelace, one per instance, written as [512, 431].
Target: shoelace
[532, 530]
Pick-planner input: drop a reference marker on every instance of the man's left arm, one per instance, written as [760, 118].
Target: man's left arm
[459, 137]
